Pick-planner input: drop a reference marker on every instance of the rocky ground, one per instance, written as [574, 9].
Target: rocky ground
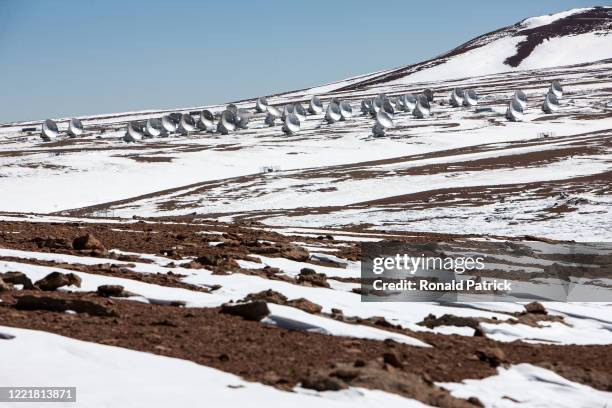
[234, 336]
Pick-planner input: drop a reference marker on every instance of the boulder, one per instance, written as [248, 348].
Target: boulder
[56, 280]
[254, 311]
[267, 296]
[535, 308]
[17, 278]
[305, 305]
[88, 242]
[51, 242]
[392, 359]
[492, 355]
[309, 277]
[53, 304]
[111, 290]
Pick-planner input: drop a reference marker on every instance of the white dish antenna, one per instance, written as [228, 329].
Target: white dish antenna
[206, 121]
[388, 108]
[274, 111]
[273, 114]
[291, 124]
[269, 120]
[333, 113]
[515, 112]
[315, 106]
[169, 125]
[134, 132]
[346, 110]
[75, 128]
[261, 105]
[470, 98]
[377, 105]
[422, 108]
[556, 89]
[366, 106]
[383, 122]
[154, 127]
[551, 103]
[187, 124]
[456, 97]
[299, 111]
[49, 130]
[242, 119]
[288, 110]
[227, 122]
[409, 102]
[521, 97]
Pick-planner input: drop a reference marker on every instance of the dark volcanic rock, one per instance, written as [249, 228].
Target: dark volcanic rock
[492, 355]
[535, 308]
[111, 290]
[51, 242]
[6, 336]
[305, 305]
[432, 321]
[392, 359]
[254, 311]
[320, 382]
[267, 296]
[29, 302]
[88, 242]
[17, 278]
[309, 277]
[56, 280]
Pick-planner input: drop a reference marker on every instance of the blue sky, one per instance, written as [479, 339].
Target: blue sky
[70, 58]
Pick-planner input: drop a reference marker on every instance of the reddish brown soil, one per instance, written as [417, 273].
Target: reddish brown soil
[284, 358]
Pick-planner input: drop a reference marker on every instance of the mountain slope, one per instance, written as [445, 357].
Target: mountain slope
[566, 38]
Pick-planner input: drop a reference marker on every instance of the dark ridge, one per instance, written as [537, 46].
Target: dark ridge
[598, 18]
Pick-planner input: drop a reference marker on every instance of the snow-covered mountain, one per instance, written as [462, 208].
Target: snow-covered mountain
[567, 38]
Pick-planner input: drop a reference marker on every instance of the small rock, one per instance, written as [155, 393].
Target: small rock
[209, 259]
[17, 278]
[29, 302]
[320, 383]
[309, 277]
[336, 312]
[476, 402]
[254, 311]
[88, 242]
[51, 242]
[294, 252]
[269, 295]
[6, 336]
[359, 363]
[307, 271]
[492, 355]
[56, 280]
[111, 290]
[305, 305]
[392, 359]
[535, 308]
